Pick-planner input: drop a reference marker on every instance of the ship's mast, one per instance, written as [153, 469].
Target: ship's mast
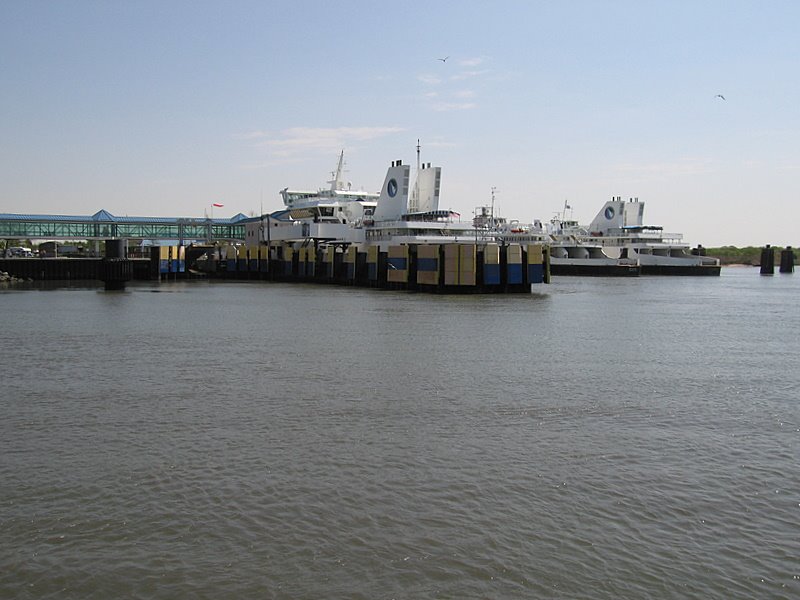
[494, 189]
[336, 182]
[566, 208]
[414, 204]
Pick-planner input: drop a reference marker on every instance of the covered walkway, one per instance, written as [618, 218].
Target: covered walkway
[103, 226]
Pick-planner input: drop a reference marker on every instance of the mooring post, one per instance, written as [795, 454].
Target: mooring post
[787, 260]
[115, 268]
[767, 260]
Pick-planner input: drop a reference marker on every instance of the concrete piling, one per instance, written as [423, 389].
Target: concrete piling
[767, 260]
[115, 269]
[787, 260]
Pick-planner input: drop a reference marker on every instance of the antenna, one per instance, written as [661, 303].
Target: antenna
[414, 204]
[336, 176]
[494, 189]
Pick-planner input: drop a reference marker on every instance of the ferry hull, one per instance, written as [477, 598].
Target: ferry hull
[599, 270]
[682, 270]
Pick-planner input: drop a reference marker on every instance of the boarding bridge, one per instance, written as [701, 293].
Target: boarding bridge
[104, 226]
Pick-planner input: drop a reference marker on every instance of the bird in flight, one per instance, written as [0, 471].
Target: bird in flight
[720, 96]
[443, 59]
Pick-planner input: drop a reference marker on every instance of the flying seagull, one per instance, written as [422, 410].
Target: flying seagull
[443, 59]
[720, 96]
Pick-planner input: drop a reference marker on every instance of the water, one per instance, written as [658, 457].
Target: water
[597, 439]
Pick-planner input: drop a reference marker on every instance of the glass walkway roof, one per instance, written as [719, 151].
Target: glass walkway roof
[103, 225]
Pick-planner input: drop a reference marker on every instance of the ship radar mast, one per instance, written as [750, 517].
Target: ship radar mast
[413, 204]
[567, 207]
[494, 189]
[337, 182]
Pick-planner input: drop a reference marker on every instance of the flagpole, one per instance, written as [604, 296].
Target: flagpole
[218, 205]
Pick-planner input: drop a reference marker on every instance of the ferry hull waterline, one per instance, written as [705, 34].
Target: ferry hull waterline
[682, 270]
[559, 267]
[619, 229]
[398, 238]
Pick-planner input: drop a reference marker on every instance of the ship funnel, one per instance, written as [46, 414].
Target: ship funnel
[425, 196]
[393, 201]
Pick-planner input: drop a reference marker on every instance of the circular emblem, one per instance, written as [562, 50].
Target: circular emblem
[391, 188]
[609, 212]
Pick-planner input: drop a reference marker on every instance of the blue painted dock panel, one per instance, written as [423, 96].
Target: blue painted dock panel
[397, 263]
[491, 274]
[535, 273]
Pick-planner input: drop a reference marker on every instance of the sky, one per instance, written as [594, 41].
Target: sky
[153, 108]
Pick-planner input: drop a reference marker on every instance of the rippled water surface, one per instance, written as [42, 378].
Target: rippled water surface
[597, 439]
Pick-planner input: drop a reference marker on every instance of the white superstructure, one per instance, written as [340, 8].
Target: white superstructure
[571, 251]
[326, 214]
[619, 228]
[399, 214]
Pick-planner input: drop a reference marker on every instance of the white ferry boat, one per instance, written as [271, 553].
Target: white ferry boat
[407, 215]
[570, 253]
[616, 243]
[398, 214]
[337, 204]
[620, 231]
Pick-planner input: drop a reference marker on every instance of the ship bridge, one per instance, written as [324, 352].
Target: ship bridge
[104, 226]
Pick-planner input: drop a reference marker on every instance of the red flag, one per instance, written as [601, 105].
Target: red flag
[218, 205]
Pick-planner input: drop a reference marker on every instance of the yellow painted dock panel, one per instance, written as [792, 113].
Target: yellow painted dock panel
[428, 264]
[428, 251]
[491, 254]
[468, 256]
[534, 254]
[459, 264]
[451, 264]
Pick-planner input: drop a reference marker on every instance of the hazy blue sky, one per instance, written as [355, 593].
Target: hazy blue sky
[161, 108]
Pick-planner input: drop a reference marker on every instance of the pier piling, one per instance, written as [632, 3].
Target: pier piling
[767, 260]
[787, 260]
[115, 268]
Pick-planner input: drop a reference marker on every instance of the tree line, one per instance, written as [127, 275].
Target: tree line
[748, 255]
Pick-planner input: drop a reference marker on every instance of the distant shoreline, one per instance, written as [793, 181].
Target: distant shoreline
[748, 256]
